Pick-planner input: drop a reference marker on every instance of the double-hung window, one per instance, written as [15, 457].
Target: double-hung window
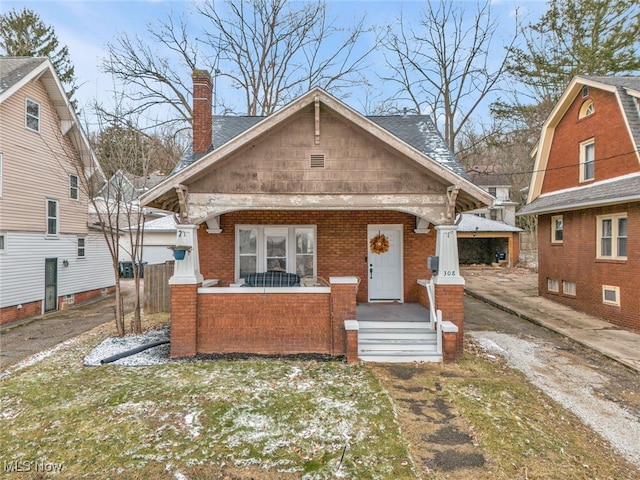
[52, 218]
[587, 160]
[32, 115]
[557, 229]
[289, 248]
[612, 236]
[81, 247]
[74, 187]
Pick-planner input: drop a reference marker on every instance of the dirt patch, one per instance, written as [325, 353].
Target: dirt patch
[439, 439]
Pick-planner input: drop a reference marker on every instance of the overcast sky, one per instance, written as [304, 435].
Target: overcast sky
[85, 26]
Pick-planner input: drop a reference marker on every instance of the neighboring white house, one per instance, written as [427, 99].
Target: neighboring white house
[159, 235]
[491, 180]
[49, 256]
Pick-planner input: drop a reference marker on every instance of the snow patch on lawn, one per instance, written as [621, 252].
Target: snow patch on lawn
[116, 345]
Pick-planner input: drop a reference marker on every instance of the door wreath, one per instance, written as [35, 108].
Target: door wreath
[379, 244]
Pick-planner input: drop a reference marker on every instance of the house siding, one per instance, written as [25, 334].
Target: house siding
[22, 268]
[575, 260]
[36, 167]
[342, 245]
[355, 162]
[614, 153]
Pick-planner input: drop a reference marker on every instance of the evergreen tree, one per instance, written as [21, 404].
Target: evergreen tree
[24, 34]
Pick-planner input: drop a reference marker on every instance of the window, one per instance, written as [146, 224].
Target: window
[32, 115]
[81, 249]
[569, 288]
[585, 91]
[283, 247]
[52, 218]
[557, 229]
[611, 295]
[612, 236]
[586, 109]
[3, 237]
[587, 161]
[492, 191]
[552, 285]
[74, 189]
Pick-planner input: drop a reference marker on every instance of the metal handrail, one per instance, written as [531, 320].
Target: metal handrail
[435, 316]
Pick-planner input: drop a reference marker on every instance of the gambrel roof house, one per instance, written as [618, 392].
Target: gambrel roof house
[585, 191]
[293, 223]
[49, 257]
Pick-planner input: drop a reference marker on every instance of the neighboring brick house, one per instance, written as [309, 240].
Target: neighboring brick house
[307, 191]
[49, 257]
[585, 191]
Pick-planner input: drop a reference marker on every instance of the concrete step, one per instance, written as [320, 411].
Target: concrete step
[382, 325]
[400, 357]
[373, 343]
[390, 334]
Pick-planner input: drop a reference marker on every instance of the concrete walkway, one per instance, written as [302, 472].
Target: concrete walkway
[516, 291]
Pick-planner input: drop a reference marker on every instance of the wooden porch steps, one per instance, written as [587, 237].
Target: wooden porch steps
[397, 341]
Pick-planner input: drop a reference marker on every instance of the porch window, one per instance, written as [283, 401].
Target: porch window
[290, 248]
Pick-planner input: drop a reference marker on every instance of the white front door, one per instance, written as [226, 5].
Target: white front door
[385, 268]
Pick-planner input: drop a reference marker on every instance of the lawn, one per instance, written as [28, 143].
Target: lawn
[254, 418]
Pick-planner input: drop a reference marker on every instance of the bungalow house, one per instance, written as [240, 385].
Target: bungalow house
[49, 256]
[293, 222]
[585, 191]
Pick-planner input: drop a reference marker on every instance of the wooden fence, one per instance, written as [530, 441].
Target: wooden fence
[157, 293]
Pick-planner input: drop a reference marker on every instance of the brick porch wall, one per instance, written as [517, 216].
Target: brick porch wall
[273, 323]
[450, 300]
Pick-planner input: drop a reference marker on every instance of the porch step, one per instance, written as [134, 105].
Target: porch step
[389, 341]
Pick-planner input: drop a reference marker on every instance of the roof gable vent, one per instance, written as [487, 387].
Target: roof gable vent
[316, 160]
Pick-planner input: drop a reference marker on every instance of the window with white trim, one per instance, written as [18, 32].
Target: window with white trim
[260, 248]
[32, 115]
[52, 218]
[611, 295]
[81, 247]
[3, 239]
[587, 160]
[612, 236]
[586, 109]
[569, 288]
[557, 229]
[74, 187]
[553, 285]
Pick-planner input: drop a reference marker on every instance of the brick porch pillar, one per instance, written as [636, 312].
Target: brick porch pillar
[449, 285]
[343, 307]
[184, 294]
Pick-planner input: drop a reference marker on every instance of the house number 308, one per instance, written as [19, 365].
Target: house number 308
[449, 273]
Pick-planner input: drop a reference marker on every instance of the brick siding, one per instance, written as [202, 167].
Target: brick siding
[575, 260]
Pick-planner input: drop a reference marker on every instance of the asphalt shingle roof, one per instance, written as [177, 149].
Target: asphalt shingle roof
[473, 223]
[621, 189]
[14, 69]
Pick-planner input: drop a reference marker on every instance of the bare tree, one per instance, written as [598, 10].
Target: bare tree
[447, 65]
[269, 50]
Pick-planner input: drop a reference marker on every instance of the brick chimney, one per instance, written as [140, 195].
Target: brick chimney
[202, 111]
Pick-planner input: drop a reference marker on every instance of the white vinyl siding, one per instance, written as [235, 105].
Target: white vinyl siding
[44, 161]
[22, 267]
[0, 175]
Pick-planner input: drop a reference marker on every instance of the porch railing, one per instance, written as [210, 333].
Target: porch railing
[435, 316]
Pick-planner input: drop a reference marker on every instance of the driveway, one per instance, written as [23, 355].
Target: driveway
[19, 340]
[604, 394]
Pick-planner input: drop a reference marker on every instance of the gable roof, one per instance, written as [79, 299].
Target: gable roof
[627, 92]
[413, 136]
[415, 130]
[17, 72]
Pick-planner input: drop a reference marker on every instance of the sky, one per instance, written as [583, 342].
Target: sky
[86, 26]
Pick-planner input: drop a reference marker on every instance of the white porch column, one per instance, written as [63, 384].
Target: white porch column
[187, 271]
[447, 251]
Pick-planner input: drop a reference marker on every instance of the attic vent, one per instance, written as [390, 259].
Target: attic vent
[585, 91]
[316, 160]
